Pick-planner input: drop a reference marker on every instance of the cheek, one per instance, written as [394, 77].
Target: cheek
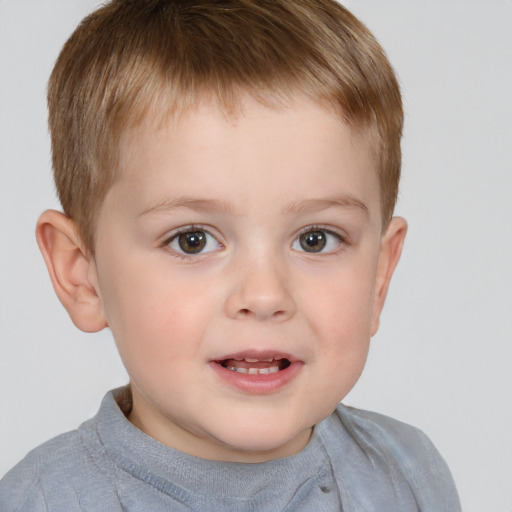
[152, 315]
[340, 315]
[342, 300]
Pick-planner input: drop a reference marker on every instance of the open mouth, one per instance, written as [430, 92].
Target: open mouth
[253, 366]
[256, 372]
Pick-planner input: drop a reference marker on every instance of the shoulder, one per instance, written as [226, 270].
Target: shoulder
[22, 487]
[387, 435]
[400, 450]
[51, 474]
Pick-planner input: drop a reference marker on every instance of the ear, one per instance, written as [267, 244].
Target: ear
[72, 270]
[390, 251]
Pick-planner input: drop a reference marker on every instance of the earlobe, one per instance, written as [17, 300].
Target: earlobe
[70, 268]
[390, 251]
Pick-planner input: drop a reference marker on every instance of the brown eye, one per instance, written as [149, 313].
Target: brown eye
[313, 241]
[192, 242]
[318, 240]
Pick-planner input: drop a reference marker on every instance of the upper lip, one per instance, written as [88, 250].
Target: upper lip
[260, 355]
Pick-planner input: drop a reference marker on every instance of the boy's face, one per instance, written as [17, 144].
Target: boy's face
[237, 262]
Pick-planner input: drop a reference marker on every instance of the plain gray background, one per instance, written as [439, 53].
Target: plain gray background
[443, 357]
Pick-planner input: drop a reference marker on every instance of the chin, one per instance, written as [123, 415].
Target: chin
[252, 444]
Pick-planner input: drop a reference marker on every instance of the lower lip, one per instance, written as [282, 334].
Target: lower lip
[257, 384]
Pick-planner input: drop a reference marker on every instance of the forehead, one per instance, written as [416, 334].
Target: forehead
[213, 151]
[168, 112]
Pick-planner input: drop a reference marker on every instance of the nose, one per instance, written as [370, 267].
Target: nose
[260, 290]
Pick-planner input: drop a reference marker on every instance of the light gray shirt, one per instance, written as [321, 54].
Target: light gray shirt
[356, 461]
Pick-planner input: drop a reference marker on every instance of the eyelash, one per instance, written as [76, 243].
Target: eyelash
[184, 230]
[342, 240]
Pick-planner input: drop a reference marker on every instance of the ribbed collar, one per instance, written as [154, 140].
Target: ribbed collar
[187, 478]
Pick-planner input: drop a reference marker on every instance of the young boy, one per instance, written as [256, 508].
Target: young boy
[228, 172]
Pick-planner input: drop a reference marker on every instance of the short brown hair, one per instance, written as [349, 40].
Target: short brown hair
[132, 57]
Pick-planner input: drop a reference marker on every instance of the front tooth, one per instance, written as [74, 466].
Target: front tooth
[266, 371]
[248, 360]
[254, 371]
[239, 370]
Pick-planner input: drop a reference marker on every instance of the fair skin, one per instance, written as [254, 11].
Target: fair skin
[241, 266]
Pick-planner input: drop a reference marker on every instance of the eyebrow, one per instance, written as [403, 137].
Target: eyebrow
[201, 205]
[315, 205]
[224, 207]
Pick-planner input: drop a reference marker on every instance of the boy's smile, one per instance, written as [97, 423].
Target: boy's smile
[257, 372]
[239, 266]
